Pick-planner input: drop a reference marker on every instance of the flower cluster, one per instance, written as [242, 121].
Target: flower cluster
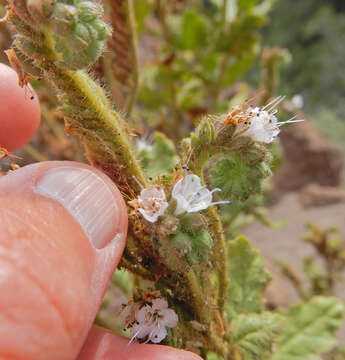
[258, 123]
[188, 192]
[150, 321]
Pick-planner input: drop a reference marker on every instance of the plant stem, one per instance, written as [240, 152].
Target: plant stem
[219, 256]
[131, 26]
[216, 88]
[224, 11]
[89, 114]
[162, 13]
[34, 153]
[219, 249]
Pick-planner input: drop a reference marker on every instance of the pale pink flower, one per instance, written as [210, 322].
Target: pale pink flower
[152, 321]
[152, 203]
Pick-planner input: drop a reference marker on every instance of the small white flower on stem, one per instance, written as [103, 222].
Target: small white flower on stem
[261, 124]
[191, 196]
[152, 203]
[152, 321]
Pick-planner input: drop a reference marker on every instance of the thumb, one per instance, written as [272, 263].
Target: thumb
[62, 233]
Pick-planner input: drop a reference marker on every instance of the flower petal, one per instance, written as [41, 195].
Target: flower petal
[169, 318]
[159, 304]
[141, 331]
[158, 334]
[149, 215]
[143, 314]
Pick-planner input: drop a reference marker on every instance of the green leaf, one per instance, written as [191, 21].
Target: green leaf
[190, 94]
[247, 4]
[309, 330]
[194, 31]
[248, 278]
[236, 69]
[154, 81]
[194, 246]
[161, 159]
[255, 334]
[237, 178]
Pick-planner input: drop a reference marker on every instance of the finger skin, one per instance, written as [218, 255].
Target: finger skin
[51, 279]
[19, 112]
[104, 345]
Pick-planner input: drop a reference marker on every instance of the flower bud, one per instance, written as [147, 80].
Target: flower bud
[80, 34]
[89, 10]
[206, 132]
[63, 19]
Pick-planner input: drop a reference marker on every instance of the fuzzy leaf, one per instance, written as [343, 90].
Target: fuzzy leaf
[255, 334]
[248, 278]
[193, 241]
[161, 159]
[194, 246]
[309, 330]
[237, 178]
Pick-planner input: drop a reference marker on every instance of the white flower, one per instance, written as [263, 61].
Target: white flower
[152, 321]
[143, 144]
[152, 203]
[298, 100]
[191, 196]
[261, 124]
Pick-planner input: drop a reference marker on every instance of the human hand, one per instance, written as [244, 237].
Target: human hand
[62, 232]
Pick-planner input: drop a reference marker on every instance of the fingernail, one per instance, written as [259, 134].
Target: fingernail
[87, 197]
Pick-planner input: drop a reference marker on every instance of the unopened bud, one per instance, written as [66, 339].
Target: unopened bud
[89, 10]
[206, 131]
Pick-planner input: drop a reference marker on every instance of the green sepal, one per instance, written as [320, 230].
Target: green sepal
[194, 247]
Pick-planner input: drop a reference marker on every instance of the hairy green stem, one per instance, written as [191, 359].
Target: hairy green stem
[88, 111]
[219, 256]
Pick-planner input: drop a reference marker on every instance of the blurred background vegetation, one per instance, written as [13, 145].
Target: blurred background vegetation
[314, 33]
